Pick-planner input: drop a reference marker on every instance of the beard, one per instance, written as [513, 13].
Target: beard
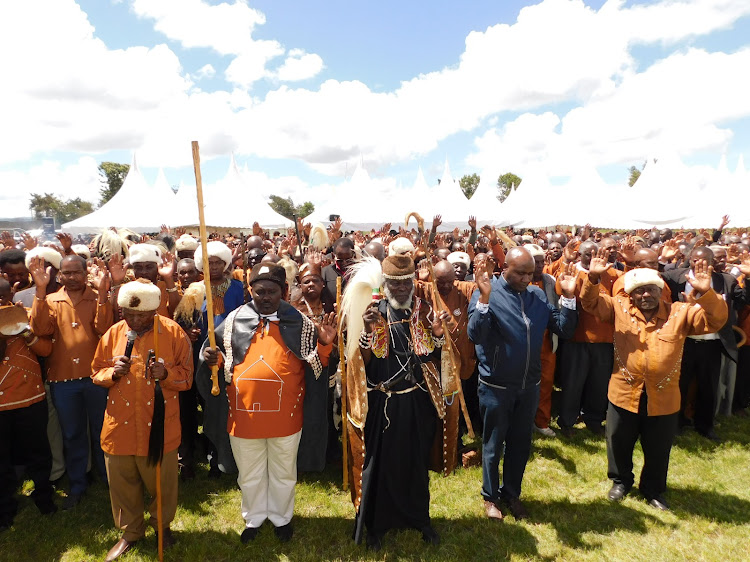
[394, 303]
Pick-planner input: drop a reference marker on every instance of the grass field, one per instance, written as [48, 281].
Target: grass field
[564, 490]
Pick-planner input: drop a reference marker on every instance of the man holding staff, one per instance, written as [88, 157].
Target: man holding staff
[130, 375]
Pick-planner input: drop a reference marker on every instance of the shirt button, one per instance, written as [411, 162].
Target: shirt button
[126, 423]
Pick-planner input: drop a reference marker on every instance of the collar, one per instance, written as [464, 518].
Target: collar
[271, 317]
[62, 295]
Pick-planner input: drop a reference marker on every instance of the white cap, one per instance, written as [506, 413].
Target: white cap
[534, 249]
[142, 253]
[186, 242]
[215, 249]
[141, 295]
[50, 255]
[642, 276]
[400, 246]
[459, 257]
[81, 250]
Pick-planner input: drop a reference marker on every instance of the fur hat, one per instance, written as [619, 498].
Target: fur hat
[50, 255]
[142, 253]
[268, 272]
[398, 267]
[534, 249]
[186, 242]
[642, 276]
[13, 320]
[215, 249]
[141, 295]
[81, 250]
[400, 246]
[459, 257]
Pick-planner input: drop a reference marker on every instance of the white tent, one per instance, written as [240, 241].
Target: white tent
[136, 205]
[534, 203]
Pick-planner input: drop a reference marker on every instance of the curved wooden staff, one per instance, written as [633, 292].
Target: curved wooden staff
[438, 305]
[206, 274]
[342, 372]
[160, 534]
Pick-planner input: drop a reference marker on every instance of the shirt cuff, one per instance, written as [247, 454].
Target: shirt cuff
[568, 303]
[484, 308]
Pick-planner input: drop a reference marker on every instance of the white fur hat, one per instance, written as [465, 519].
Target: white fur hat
[186, 242]
[215, 249]
[400, 246]
[50, 255]
[140, 253]
[642, 276]
[534, 249]
[81, 250]
[459, 257]
[141, 295]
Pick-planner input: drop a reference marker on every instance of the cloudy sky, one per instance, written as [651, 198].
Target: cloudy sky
[300, 92]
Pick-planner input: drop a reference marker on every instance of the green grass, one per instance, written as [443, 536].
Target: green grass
[564, 490]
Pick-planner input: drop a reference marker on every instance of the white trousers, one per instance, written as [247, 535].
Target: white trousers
[268, 474]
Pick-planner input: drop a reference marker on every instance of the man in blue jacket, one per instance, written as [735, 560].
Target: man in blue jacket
[507, 320]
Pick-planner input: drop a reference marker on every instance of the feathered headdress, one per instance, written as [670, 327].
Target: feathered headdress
[366, 276]
[188, 312]
[319, 237]
[109, 243]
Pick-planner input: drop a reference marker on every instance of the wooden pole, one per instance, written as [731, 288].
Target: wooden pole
[160, 533]
[206, 274]
[342, 371]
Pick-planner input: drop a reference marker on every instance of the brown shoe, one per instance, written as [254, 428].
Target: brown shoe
[492, 510]
[118, 550]
[168, 540]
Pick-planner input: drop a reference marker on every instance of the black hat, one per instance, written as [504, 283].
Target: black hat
[268, 272]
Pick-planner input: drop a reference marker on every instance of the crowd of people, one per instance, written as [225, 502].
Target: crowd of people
[377, 349]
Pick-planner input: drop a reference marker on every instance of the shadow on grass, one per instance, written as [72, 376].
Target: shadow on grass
[546, 451]
[707, 504]
[731, 430]
[572, 520]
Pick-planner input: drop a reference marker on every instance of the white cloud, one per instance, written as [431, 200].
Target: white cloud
[299, 65]
[67, 182]
[205, 71]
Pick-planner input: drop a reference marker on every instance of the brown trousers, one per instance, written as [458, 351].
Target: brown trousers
[127, 475]
[544, 410]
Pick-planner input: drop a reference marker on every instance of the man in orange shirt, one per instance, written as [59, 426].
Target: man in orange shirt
[23, 410]
[130, 379]
[75, 317]
[267, 344]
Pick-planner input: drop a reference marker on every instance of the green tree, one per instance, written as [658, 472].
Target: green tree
[635, 173]
[49, 205]
[506, 183]
[111, 176]
[469, 184]
[287, 208]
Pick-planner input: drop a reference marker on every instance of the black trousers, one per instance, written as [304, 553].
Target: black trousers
[742, 385]
[23, 436]
[189, 424]
[471, 396]
[585, 369]
[701, 361]
[656, 434]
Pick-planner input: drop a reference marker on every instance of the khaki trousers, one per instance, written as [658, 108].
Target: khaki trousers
[127, 476]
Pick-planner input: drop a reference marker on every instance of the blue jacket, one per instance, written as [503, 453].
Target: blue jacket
[508, 338]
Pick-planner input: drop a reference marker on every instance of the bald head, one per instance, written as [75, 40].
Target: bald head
[376, 250]
[560, 238]
[587, 251]
[701, 253]
[519, 268]
[518, 256]
[445, 275]
[646, 257]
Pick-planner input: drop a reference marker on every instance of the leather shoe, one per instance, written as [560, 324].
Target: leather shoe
[120, 548]
[430, 536]
[249, 534]
[71, 501]
[617, 492]
[711, 436]
[597, 430]
[659, 503]
[567, 431]
[285, 532]
[516, 508]
[168, 540]
[373, 542]
[492, 511]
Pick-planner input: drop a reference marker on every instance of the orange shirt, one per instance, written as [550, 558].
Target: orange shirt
[268, 388]
[590, 329]
[553, 268]
[21, 381]
[75, 332]
[547, 342]
[127, 420]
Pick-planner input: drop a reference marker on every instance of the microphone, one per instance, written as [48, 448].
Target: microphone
[132, 334]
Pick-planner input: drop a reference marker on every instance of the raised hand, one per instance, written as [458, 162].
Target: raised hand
[337, 226]
[471, 252]
[100, 277]
[164, 229]
[314, 256]
[437, 220]
[702, 281]
[599, 264]
[166, 269]
[327, 328]
[66, 242]
[670, 250]
[724, 222]
[117, 269]
[29, 242]
[437, 323]
[570, 252]
[7, 240]
[568, 280]
[257, 230]
[179, 231]
[386, 228]
[627, 252]
[40, 275]
[744, 265]
[473, 222]
[423, 271]
[482, 279]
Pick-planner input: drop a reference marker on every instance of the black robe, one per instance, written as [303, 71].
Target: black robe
[399, 433]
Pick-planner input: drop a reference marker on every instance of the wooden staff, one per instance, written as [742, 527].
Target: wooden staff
[245, 288]
[342, 372]
[206, 273]
[160, 534]
[438, 306]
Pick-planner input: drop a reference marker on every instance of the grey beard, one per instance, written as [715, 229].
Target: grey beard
[394, 303]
